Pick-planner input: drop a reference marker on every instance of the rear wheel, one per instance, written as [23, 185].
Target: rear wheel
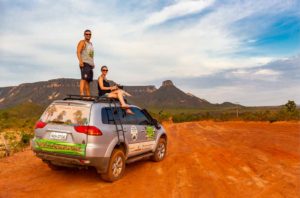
[116, 166]
[160, 151]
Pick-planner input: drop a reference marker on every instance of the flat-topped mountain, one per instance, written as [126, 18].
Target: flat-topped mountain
[169, 96]
[44, 92]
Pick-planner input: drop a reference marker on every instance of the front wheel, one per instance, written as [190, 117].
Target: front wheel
[116, 166]
[160, 151]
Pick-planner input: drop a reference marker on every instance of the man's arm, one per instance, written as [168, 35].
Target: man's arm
[80, 47]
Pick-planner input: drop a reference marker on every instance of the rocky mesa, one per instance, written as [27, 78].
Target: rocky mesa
[44, 92]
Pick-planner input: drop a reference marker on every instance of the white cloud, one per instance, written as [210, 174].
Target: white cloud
[256, 74]
[179, 9]
[266, 72]
[248, 95]
[47, 34]
[200, 48]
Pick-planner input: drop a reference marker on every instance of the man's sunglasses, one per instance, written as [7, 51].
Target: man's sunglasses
[88, 34]
[105, 70]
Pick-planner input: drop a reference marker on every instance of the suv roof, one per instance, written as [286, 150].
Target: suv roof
[94, 99]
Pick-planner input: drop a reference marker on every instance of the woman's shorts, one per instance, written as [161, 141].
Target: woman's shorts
[105, 95]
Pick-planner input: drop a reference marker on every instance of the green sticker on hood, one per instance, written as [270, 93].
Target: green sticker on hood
[60, 147]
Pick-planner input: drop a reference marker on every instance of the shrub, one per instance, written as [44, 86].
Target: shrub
[290, 106]
[25, 138]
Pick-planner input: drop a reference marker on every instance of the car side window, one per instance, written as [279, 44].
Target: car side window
[128, 119]
[139, 118]
[107, 117]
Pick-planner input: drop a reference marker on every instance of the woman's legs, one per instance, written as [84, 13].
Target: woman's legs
[119, 95]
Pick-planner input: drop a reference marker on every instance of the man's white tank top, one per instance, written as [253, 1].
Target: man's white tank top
[87, 54]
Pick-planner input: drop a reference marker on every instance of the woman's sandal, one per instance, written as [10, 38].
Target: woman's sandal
[127, 108]
[129, 112]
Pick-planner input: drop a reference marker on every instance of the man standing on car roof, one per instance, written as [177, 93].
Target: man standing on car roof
[85, 54]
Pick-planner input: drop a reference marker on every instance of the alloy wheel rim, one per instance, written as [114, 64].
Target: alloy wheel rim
[161, 150]
[117, 166]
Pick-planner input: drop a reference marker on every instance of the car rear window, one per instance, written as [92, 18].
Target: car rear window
[66, 114]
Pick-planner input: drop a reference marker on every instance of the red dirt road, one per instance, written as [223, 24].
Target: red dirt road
[205, 159]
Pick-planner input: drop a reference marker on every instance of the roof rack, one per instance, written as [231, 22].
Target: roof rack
[90, 98]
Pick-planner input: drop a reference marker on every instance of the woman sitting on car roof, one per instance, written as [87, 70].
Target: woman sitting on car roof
[105, 90]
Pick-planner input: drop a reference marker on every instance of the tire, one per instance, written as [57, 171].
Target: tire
[116, 166]
[160, 151]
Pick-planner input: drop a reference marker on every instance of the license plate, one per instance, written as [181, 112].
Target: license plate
[58, 136]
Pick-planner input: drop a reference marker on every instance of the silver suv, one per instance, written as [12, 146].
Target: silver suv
[96, 132]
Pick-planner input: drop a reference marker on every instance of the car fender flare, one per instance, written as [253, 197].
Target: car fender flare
[158, 137]
[112, 145]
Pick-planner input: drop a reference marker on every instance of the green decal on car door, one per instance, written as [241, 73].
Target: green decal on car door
[150, 132]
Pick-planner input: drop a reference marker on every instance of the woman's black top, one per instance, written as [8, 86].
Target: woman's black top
[102, 92]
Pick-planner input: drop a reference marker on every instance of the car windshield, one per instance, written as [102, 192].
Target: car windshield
[66, 114]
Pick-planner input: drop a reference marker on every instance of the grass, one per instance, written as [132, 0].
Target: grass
[17, 123]
[22, 116]
[16, 126]
[15, 141]
[271, 114]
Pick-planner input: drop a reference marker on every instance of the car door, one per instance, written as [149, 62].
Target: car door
[140, 134]
[132, 131]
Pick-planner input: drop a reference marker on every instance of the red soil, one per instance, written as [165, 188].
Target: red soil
[205, 159]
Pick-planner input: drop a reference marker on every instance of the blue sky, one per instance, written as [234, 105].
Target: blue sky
[238, 51]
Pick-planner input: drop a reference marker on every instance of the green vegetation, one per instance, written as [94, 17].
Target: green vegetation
[16, 127]
[287, 112]
[17, 123]
[22, 117]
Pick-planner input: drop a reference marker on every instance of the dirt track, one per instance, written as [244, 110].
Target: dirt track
[205, 159]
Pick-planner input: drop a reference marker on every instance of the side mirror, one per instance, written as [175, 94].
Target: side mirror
[154, 121]
[156, 124]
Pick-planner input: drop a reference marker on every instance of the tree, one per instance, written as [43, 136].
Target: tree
[290, 106]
